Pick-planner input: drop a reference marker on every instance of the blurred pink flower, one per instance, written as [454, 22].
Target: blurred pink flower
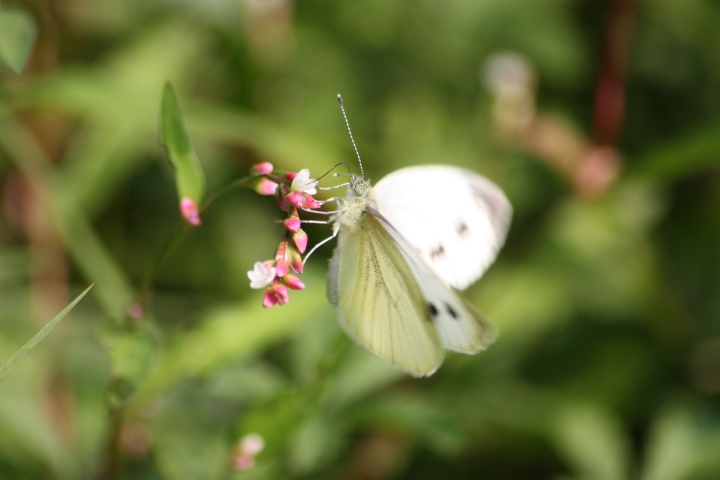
[189, 211]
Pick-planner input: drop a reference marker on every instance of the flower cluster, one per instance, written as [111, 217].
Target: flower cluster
[293, 191]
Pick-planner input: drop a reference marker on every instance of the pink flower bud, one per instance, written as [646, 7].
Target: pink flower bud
[265, 186]
[189, 211]
[242, 462]
[292, 223]
[295, 199]
[280, 194]
[300, 239]
[290, 176]
[281, 252]
[293, 282]
[281, 268]
[294, 260]
[309, 202]
[277, 293]
[262, 168]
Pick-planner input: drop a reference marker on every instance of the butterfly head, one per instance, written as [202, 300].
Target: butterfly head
[358, 187]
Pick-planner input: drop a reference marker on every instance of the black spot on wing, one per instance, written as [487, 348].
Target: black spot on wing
[462, 229]
[433, 310]
[437, 252]
[451, 311]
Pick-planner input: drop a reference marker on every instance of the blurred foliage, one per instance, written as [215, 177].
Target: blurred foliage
[608, 298]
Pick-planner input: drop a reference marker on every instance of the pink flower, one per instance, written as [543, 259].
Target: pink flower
[265, 186]
[263, 168]
[292, 223]
[293, 282]
[293, 191]
[294, 260]
[300, 239]
[276, 294]
[295, 199]
[189, 211]
[281, 268]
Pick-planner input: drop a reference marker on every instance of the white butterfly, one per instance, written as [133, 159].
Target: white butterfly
[404, 249]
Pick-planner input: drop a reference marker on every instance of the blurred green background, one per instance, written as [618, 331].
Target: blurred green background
[606, 138]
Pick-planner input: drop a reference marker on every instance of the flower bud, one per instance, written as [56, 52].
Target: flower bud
[276, 294]
[265, 186]
[262, 168]
[300, 239]
[189, 211]
[292, 223]
[296, 199]
[293, 282]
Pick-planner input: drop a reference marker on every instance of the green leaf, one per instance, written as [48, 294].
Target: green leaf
[39, 337]
[683, 444]
[17, 34]
[591, 440]
[188, 172]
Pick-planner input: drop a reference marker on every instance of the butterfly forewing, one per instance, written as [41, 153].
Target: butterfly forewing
[380, 302]
[455, 220]
[460, 326]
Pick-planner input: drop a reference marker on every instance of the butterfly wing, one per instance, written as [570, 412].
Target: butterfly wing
[460, 326]
[454, 219]
[379, 301]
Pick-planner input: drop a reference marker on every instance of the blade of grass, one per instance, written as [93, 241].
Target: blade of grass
[39, 337]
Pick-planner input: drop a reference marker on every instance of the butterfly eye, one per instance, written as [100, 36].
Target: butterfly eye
[361, 189]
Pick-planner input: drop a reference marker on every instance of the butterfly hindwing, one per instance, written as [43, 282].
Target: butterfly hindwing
[379, 300]
[455, 220]
[460, 326]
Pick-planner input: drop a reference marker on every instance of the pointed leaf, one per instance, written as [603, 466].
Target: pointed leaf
[39, 337]
[188, 172]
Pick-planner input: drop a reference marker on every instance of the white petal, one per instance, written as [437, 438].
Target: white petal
[303, 182]
[261, 276]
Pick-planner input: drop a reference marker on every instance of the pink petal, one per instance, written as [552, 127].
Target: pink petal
[281, 268]
[309, 202]
[281, 293]
[276, 293]
[295, 199]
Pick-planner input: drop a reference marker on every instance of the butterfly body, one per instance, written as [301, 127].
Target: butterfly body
[404, 248]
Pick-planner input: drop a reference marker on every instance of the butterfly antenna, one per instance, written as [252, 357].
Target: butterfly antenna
[342, 108]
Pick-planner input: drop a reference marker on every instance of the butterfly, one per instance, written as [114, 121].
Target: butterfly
[406, 247]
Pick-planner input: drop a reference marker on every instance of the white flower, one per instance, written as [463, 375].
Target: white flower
[252, 444]
[303, 183]
[261, 276]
